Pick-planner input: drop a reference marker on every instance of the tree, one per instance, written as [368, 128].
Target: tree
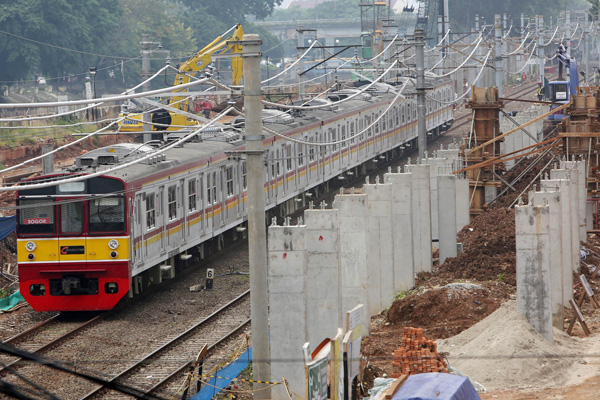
[594, 10]
[38, 35]
[232, 11]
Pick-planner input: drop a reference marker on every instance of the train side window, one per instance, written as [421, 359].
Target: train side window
[71, 218]
[107, 214]
[229, 180]
[36, 216]
[192, 195]
[208, 189]
[150, 211]
[244, 176]
[311, 153]
[214, 187]
[172, 202]
[300, 154]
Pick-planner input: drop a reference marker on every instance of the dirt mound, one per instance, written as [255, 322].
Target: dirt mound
[446, 311]
[505, 351]
[489, 251]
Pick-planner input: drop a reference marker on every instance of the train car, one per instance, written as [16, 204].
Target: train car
[85, 244]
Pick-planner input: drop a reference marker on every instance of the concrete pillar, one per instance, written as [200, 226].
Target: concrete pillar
[323, 277]
[532, 225]
[287, 305]
[552, 199]
[402, 233]
[447, 216]
[563, 186]
[353, 224]
[379, 245]
[434, 164]
[574, 214]
[463, 209]
[580, 168]
[421, 217]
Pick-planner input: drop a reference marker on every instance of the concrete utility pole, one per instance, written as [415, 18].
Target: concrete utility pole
[498, 63]
[421, 122]
[540, 52]
[586, 50]
[257, 230]
[300, 65]
[568, 34]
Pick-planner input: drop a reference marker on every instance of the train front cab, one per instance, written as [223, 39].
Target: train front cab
[72, 245]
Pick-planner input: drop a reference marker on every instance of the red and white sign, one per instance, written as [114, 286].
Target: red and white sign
[36, 221]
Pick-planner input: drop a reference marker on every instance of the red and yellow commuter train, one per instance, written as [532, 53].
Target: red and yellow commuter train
[85, 244]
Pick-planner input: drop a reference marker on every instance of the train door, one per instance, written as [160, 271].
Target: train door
[137, 236]
[161, 220]
[71, 243]
[202, 203]
[183, 208]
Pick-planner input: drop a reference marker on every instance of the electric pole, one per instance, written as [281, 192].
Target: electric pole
[257, 230]
[421, 122]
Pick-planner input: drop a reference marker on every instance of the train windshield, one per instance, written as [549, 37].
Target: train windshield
[36, 216]
[107, 214]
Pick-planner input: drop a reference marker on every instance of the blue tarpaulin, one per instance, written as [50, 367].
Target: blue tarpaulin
[7, 226]
[436, 386]
[224, 377]
[9, 302]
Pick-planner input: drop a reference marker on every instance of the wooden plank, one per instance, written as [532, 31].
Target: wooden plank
[518, 128]
[578, 134]
[580, 318]
[397, 384]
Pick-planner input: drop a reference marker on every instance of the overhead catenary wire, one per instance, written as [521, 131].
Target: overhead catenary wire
[456, 100]
[463, 63]
[524, 64]
[4, 188]
[351, 137]
[518, 48]
[268, 103]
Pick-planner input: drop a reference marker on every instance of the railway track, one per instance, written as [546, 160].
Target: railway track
[155, 370]
[44, 336]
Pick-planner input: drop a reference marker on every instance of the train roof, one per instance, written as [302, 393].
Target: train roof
[212, 146]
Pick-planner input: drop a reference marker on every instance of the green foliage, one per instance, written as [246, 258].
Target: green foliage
[404, 293]
[327, 10]
[594, 10]
[501, 277]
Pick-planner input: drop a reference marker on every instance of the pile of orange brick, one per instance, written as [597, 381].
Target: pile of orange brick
[416, 355]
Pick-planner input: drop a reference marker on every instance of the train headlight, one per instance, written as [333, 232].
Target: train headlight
[30, 246]
[30, 256]
[114, 254]
[113, 244]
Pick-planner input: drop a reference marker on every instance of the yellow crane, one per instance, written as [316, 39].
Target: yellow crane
[196, 63]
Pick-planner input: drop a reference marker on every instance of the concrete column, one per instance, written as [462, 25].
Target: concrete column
[353, 224]
[580, 168]
[379, 245]
[532, 225]
[447, 216]
[421, 217]
[323, 277]
[402, 233]
[287, 305]
[434, 164]
[463, 209]
[552, 199]
[574, 214]
[563, 186]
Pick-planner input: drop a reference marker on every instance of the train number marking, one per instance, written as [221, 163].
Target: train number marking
[66, 250]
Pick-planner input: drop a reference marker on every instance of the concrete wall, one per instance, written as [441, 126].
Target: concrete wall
[352, 211]
[421, 216]
[402, 224]
[520, 139]
[287, 305]
[579, 167]
[532, 225]
[380, 246]
[552, 200]
[323, 274]
[571, 188]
